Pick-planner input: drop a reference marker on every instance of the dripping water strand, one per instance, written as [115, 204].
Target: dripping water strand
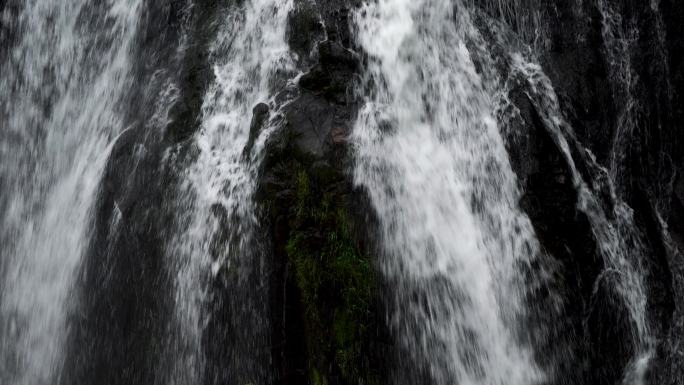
[618, 42]
[619, 241]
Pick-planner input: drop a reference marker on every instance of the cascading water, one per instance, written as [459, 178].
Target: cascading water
[425, 140]
[430, 154]
[619, 241]
[217, 244]
[62, 83]
[148, 235]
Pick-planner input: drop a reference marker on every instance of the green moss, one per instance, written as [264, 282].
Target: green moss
[303, 191]
[335, 278]
[316, 378]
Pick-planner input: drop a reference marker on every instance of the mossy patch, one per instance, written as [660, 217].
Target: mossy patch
[335, 278]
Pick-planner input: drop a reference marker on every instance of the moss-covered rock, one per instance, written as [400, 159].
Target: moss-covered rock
[325, 287]
[330, 268]
[336, 281]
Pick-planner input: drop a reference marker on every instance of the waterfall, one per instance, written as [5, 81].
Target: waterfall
[431, 156]
[275, 192]
[216, 243]
[62, 82]
[620, 243]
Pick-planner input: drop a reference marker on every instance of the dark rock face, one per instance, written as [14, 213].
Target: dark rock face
[125, 292]
[594, 323]
[324, 280]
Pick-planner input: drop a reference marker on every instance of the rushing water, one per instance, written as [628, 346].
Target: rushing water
[430, 154]
[217, 240]
[61, 86]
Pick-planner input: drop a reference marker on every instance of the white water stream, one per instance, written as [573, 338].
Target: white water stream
[60, 97]
[251, 60]
[430, 153]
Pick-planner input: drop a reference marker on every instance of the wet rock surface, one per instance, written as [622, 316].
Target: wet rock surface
[325, 282]
[576, 61]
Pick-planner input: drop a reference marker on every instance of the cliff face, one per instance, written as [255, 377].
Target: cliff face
[620, 87]
[621, 103]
